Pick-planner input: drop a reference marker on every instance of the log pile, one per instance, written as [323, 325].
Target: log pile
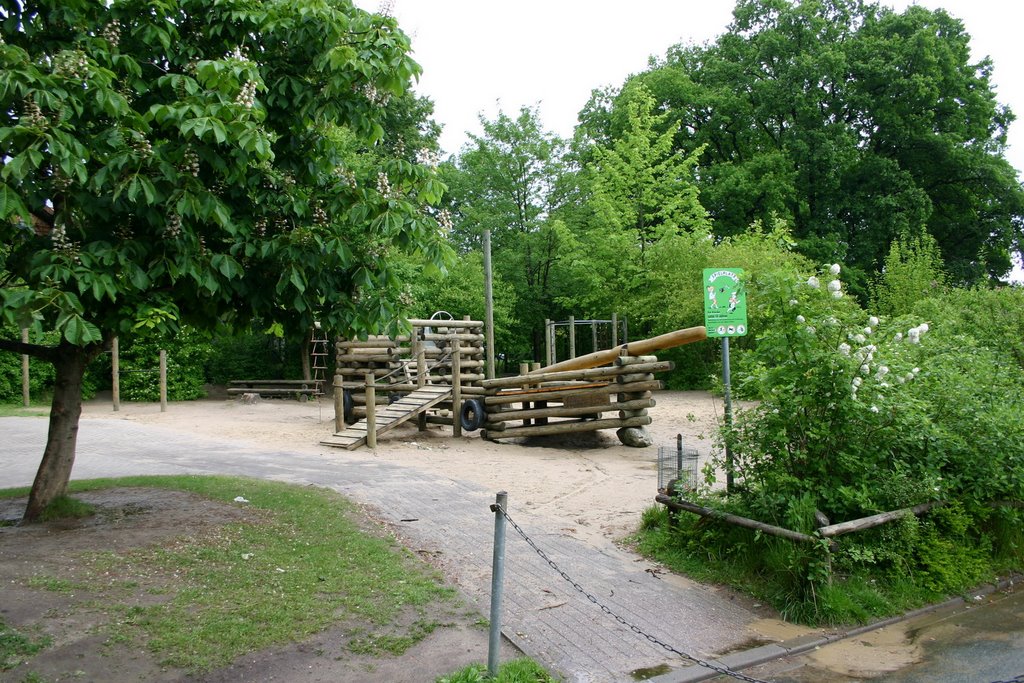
[402, 364]
[544, 402]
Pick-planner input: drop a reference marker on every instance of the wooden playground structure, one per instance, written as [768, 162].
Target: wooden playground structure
[435, 375]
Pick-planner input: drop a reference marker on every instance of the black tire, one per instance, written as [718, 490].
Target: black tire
[346, 406]
[471, 417]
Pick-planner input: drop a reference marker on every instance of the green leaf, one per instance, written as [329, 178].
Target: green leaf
[11, 204]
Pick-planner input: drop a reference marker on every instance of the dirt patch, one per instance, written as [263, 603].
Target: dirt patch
[50, 594]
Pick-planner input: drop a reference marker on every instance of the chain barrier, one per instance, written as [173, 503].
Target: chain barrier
[604, 608]
[1015, 679]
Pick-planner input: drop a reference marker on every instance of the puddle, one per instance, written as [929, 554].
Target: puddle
[649, 672]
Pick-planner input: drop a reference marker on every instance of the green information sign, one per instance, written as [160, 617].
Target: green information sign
[725, 302]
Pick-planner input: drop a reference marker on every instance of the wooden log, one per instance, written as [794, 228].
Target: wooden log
[672, 504]
[634, 360]
[570, 375]
[437, 324]
[437, 420]
[635, 348]
[876, 520]
[567, 427]
[365, 357]
[457, 380]
[563, 411]
[634, 377]
[462, 337]
[367, 344]
[360, 372]
[553, 393]
[623, 414]
[371, 413]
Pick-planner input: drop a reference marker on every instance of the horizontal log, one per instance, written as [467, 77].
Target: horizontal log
[436, 420]
[462, 337]
[633, 396]
[634, 377]
[875, 520]
[736, 520]
[623, 414]
[365, 357]
[635, 348]
[368, 345]
[555, 394]
[562, 411]
[570, 375]
[567, 427]
[634, 360]
[420, 322]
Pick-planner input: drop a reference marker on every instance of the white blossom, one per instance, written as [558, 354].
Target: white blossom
[834, 269]
[882, 372]
[868, 330]
[913, 336]
[898, 337]
[837, 294]
[800, 319]
[835, 286]
[793, 302]
[813, 282]
[923, 327]
[873, 321]
[874, 409]
[915, 371]
[844, 349]
[857, 381]
[810, 329]
[859, 338]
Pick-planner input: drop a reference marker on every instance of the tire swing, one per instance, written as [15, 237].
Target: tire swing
[347, 406]
[471, 417]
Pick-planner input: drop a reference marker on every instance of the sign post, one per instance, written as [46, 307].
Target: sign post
[725, 316]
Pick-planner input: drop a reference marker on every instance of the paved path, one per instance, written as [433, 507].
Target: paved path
[544, 616]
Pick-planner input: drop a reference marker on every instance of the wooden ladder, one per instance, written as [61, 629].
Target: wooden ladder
[409, 406]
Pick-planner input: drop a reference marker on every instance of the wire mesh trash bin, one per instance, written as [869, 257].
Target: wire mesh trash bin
[677, 468]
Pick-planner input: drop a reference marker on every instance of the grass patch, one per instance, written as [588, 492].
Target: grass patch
[66, 507]
[303, 562]
[523, 670]
[37, 409]
[16, 647]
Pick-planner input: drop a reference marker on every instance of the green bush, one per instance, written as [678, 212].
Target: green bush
[252, 354]
[41, 373]
[187, 353]
[858, 414]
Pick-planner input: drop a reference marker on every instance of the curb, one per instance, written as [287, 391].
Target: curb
[795, 646]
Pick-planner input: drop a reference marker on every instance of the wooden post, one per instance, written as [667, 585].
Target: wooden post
[554, 341]
[523, 369]
[572, 336]
[547, 342]
[115, 373]
[593, 333]
[615, 330]
[456, 387]
[488, 304]
[371, 411]
[26, 397]
[339, 404]
[420, 353]
[163, 381]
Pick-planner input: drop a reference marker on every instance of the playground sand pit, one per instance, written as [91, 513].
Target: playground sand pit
[590, 484]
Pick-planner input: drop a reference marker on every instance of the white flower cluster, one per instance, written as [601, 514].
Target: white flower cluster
[144, 147]
[172, 230]
[260, 227]
[914, 333]
[376, 97]
[239, 53]
[346, 175]
[444, 220]
[383, 184]
[71, 64]
[319, 215]
[247, 95]
[190, 163]
[32, 116]
[112, 33]
[59, 237]
[427, 157]
[386, 8]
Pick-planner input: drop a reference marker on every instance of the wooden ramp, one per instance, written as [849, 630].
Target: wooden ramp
[411, 405]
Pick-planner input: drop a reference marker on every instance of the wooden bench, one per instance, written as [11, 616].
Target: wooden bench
[300, 388]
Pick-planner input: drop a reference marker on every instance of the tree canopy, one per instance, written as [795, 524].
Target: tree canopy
[203, 162]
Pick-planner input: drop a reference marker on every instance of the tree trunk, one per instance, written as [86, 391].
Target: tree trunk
[54, 471]
[307, 373]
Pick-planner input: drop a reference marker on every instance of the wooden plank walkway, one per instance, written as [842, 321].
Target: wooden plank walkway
[409, 406]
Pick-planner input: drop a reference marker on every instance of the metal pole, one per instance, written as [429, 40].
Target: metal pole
[497, 582]
[163, 381]
[728, 414]
[26, 397]
[489, 304]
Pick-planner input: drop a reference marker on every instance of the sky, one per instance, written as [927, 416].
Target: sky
[482, 56]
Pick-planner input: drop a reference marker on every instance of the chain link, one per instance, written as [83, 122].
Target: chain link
[1015, 679]
[604, 608]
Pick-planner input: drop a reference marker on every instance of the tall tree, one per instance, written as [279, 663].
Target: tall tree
[504, 181]
[190, 161]
[854, 123]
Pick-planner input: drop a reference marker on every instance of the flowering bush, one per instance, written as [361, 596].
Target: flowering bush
[861, 414]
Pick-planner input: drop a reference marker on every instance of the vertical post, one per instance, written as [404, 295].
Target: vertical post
[497, 582]
[26, 397]
[726, 382]
[554, 341]
[625, 330]
[572, 336]
[420, 351]
[488, 304]
[547, 341]
[456, 387]
[523, 369]
[615, 330]
[339, 404]
[371, 411]
[163, 381]
[115, 373]
[593, 333]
